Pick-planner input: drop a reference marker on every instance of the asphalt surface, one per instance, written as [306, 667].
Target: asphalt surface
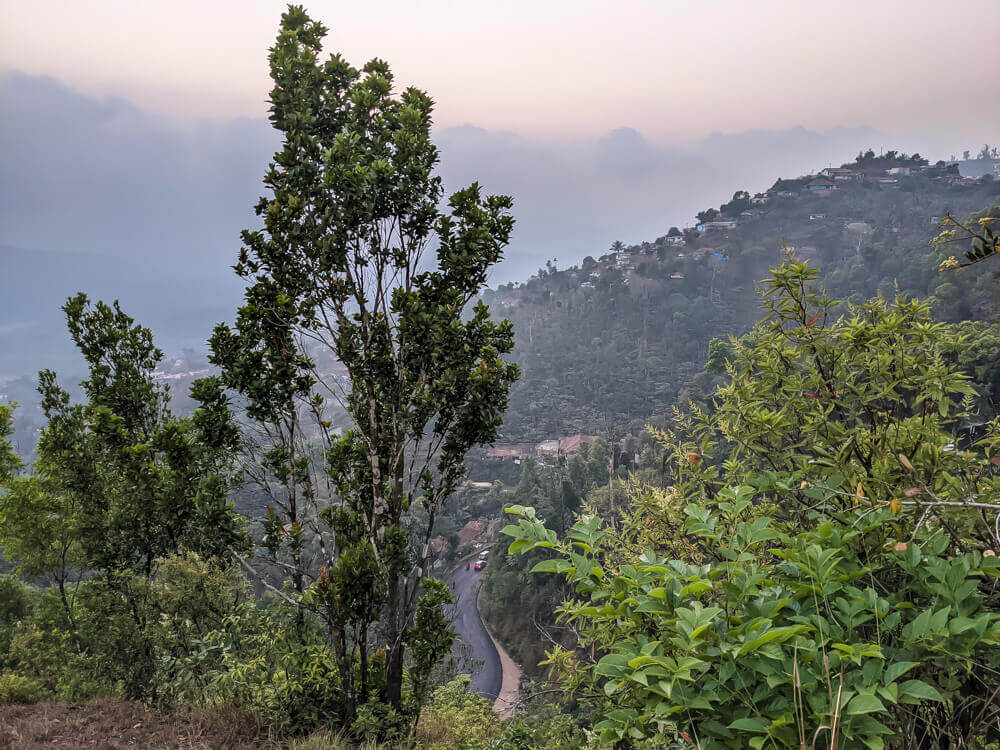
[486, 671]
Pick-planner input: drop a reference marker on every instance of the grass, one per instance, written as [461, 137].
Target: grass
[113, 724]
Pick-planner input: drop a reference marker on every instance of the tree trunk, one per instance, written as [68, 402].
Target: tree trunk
[394, 649]
[363, 650]
[346, 677]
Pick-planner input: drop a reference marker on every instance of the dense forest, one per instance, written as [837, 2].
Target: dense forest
[520, 604]
[777, 525]
[616, 340]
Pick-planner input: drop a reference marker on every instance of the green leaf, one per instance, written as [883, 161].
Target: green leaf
[556, 565]
[915, 691]
[894, 671]
[865, 704]
[777, 634]
[751, 724]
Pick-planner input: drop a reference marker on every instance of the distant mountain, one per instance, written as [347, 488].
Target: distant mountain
[620, 338]
[179, 307]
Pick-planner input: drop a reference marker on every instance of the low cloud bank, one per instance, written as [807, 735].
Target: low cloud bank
[101, 196]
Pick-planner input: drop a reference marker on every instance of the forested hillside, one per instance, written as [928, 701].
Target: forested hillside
[615, 339]
[614, 344]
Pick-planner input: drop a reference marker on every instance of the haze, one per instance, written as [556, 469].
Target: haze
[672, 69]
[134, 134]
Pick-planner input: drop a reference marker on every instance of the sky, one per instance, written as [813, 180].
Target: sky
[673, 69]
[133, 135]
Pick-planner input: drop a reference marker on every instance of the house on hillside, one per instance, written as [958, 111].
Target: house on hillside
[716, 225]
[677, 275]
[515, 452]
[841, 174]
[820, 186]
[786, 194]
[899, 171]
[624, 260]
[561, 447]
[759, 200]
[470, 532]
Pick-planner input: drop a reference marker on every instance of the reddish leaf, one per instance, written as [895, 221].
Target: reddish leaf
[912, 491]
[812, 320]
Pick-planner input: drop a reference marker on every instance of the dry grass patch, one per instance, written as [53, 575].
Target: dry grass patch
[114, 724]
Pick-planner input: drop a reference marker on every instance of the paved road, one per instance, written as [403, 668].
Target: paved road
[486, 678]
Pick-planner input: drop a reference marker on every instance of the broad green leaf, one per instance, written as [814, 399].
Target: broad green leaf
[915, 691]
[865, 704]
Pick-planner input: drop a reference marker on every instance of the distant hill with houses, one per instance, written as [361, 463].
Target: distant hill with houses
[616, 339]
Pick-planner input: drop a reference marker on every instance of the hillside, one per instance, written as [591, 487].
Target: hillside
[614, 340]
[610, 345]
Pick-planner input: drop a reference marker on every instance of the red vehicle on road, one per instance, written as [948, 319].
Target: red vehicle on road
[479, 565]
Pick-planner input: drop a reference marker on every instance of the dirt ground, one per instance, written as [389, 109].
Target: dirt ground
[115, 724]
[506, 703]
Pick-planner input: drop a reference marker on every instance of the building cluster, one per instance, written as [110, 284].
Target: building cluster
[547, 449]
[707, 239]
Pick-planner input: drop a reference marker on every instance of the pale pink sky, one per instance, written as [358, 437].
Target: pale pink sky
[673, 69]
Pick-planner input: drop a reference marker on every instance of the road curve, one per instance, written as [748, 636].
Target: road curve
[488, 675]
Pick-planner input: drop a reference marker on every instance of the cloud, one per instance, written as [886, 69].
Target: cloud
[133, 205]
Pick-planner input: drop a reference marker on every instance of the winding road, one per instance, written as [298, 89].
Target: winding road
[487, 677]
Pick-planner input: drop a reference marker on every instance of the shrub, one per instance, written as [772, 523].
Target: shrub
[265, 660]
[45, 649]
[775, 638]
[455, 714]
[17, 602]
[17, 689]
[377, 721]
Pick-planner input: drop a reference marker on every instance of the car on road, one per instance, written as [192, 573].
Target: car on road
[479, 564]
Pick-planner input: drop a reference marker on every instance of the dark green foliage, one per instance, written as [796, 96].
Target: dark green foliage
[9, 461]
[430, 638]
[17, 602]
[17, 689]
[742, 653]
[627, 353]
[144, 482]
[835, 565]
[358, 265]
[119, 483]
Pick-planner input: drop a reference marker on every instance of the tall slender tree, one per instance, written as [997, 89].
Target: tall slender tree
[358, 264]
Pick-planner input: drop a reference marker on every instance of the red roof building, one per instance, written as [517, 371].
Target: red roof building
[519, 451]
[563, 446]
